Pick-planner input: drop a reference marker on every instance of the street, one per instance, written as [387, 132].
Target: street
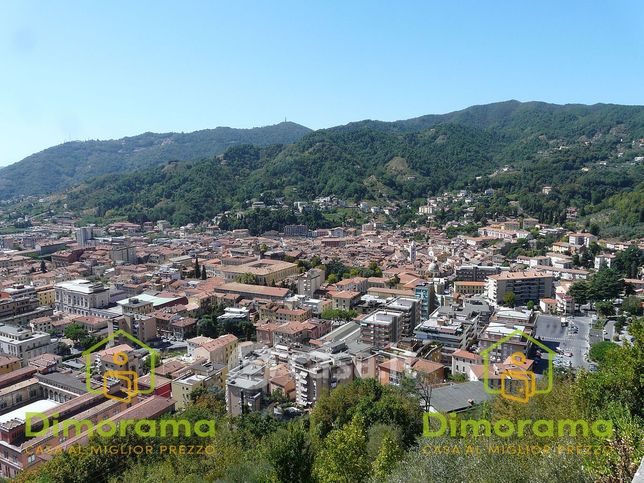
[550, 332]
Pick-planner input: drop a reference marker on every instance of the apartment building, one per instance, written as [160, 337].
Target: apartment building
[221, 350]
[409, 309]
[526, 286]
[318, 372]
[345, 300]
[143, 327]
[81, 296]
[246, 389]
[469, 288]
[475, 273]
[496, 331]
[381, 328]
[23, 343]
[310, 282]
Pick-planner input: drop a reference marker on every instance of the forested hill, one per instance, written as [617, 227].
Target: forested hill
[68, 164]
[524, 119]
[590, 155]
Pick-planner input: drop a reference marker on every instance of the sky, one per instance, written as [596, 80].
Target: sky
[103, 70]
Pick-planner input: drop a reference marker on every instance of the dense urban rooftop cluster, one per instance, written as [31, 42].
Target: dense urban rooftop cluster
[278, 320]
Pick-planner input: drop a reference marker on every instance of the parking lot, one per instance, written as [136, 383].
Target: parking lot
[572, 343]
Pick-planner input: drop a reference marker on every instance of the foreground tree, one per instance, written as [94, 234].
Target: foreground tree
[291, 454]
[343, 457]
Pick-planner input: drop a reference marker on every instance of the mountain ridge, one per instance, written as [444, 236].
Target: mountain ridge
[587, 155]
[67, 164]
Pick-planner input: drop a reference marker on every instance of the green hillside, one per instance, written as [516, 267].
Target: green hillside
[68, 164]
[588, 154]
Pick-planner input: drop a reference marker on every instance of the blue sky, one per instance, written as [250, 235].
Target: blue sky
[99, 70]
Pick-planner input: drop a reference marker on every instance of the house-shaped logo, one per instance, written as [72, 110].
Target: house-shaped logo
[517, 384]
[119, 360]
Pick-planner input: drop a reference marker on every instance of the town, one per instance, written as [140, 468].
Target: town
[275, 321]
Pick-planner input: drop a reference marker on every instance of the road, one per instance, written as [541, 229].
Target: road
[552, 334]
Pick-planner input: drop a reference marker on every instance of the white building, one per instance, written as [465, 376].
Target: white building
[23, 343]
[80, 296]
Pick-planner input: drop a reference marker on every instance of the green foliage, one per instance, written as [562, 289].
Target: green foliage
[579, 291]
[339, 314]
[632, 305]
[388, 457]
[70, 163]
[509, 299]
[407, 160]
[343, 457]
[627, 262]
[75, 332]
[153, 360]
[393, 281]
[606, 284]
[619, 380]
[599, 350]
[291, 454]
[374, 403]
[605, 308]
[248, 278]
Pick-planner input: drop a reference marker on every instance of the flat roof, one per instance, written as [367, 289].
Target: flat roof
[39, 406]
[81, 285]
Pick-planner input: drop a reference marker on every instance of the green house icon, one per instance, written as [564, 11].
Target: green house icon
[131, 380]
[527, 374]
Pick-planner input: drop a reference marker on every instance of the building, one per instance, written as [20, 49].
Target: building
[409, 310]
[462, 360]
[426, 295]
[454, 327]
[13, 303]
[120, 357]
[548, 305]
[221, 350]
[46, 296]
[246, 389]
[355, 284]
[345, 300]
[23, 343]
[250, 291]
[310, 282]
[496, 331]
[604, 259]
[123, 254]
[318, 372]
[199, 376]
[81, 296]
[9, 363]
[143, 327]
[526, 286]
[135, 305]
[84, 235]
[266, 271]
[475, 273]
[581, 239]
[381, 328]
[296, 230]
[469, 288]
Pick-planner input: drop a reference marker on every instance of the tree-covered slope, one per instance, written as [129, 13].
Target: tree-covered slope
[591, 156]
[68, 164]
[521, 119]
